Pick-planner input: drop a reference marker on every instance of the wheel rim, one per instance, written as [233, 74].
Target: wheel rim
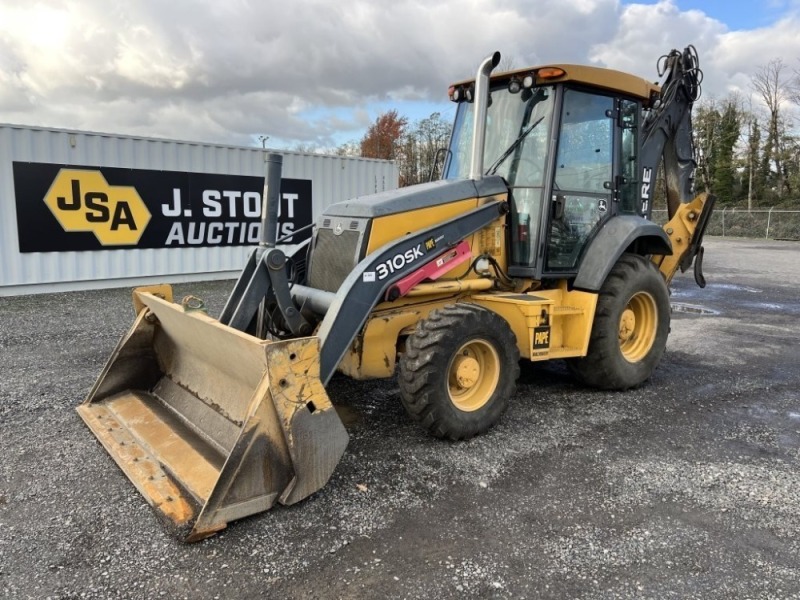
[473, 375]
[637, 327]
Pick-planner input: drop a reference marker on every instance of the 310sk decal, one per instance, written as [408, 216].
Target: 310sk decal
[393, 264]
[398, 261]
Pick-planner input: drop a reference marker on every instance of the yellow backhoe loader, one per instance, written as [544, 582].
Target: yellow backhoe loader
[536, 244]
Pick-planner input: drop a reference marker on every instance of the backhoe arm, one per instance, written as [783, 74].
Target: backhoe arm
[667, 135]
[685, 230]
[667, 129]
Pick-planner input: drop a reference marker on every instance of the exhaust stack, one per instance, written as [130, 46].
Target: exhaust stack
[481, 108]
[271, 201]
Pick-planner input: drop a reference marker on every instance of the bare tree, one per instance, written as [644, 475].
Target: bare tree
[507, 63]
[794, 86]
[351, 148]
[421, 144]
[773, 85]
[705, 132]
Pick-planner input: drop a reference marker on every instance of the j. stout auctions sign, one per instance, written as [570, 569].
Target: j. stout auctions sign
[62, 207]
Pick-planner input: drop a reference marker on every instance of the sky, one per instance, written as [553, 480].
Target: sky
[315, 73]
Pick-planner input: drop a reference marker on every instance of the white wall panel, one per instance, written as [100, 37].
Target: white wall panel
[333, 179]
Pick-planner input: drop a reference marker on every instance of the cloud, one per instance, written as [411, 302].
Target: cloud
[300, 71]
[740, 54]
[646, 32]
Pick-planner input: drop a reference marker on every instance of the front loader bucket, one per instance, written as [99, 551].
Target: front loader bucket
[212, 424]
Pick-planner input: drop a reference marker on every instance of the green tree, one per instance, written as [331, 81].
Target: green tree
[717, 130]
[726, 179]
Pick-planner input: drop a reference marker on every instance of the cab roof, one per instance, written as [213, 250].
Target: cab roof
[597, 77]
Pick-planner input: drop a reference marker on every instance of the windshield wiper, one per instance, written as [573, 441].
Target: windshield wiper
[496, 164]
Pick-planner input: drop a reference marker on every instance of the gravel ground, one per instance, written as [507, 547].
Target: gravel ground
[686, 488]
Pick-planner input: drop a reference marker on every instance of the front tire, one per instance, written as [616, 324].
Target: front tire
[459, 369]
[630, 329]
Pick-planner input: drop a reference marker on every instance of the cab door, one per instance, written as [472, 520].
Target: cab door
[582, 195]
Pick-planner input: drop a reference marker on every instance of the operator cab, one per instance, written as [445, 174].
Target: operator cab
[567, 145]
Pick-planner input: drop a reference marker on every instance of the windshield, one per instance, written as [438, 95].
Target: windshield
[517, 127]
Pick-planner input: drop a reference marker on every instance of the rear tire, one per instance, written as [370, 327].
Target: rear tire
[630, 328]
[459, 369]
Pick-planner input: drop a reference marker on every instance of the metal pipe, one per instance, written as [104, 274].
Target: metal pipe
[769, 219]
[450, 287]
[723, 221]
[481, 108]
[270, 201]
[318, 301]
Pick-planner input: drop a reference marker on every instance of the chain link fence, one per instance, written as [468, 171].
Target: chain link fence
[770, 223]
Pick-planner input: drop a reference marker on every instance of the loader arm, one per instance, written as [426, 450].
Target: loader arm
[347, 310]
[364, 288]
[361, 290]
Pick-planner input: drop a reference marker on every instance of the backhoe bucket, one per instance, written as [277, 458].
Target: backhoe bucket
[212, 424]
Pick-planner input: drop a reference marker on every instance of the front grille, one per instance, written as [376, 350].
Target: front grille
[333, 257]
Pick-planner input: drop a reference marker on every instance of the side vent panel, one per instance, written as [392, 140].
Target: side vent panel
[336, 251]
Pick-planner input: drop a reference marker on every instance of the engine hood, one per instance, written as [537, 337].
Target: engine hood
[415, 197]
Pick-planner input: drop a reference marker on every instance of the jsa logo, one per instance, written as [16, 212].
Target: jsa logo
[84, 201]
[398, 261]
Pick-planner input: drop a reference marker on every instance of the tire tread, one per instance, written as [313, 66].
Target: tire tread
[427, 356]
